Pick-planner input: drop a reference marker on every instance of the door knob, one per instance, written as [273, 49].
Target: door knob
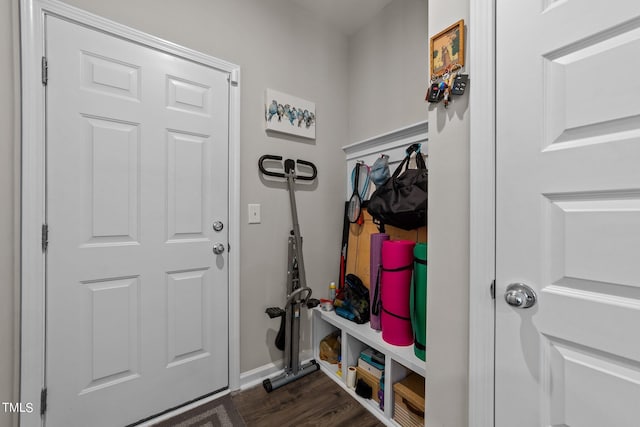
[520, 295]
[218, 248]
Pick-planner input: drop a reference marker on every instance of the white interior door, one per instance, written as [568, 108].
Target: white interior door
[137, 159]
[568, 213]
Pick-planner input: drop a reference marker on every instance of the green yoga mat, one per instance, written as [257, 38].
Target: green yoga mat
[418, 300]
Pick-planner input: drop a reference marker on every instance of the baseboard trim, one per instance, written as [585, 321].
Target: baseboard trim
[248, 380]
[255, 376]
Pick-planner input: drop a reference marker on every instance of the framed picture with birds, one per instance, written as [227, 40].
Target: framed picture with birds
[289, 114]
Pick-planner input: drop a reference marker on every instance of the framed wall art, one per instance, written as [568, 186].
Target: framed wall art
[288, 114]
[447, 49]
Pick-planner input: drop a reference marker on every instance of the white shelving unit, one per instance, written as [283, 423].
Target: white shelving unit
[399, 361]
[355, 338]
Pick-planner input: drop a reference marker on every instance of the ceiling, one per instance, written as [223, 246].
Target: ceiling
[347, 15]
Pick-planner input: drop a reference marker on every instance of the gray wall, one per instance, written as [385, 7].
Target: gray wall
[388, 78]
[280, 46]
[384, 65]
[9, 170]
[388, 75]
[448, 274]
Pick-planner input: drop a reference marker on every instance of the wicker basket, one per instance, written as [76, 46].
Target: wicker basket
[408, 396]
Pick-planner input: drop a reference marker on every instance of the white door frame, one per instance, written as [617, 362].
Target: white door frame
[33, 209]
[482, 242]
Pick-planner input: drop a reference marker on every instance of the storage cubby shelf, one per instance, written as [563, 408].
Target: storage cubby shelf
[399, 361]
[403, 355]
[370, 405]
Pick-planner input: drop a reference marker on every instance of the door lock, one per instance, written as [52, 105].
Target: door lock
[520, 295]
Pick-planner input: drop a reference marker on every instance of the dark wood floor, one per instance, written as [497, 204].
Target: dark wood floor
[314, 400]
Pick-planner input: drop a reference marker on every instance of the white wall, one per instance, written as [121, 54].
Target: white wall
[9, 152]
[448, 273]
[388, 75]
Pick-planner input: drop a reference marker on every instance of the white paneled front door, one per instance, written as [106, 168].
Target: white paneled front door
[136, 174]
[568, 213]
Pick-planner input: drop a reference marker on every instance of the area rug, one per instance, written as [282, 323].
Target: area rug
[217, 413]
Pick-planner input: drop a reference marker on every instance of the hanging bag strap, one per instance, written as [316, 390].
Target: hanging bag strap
[404, 165]
[420, 161]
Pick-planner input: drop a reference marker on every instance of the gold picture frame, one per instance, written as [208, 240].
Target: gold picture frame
[447, 49]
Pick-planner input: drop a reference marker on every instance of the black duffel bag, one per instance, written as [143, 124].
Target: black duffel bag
[402, 200]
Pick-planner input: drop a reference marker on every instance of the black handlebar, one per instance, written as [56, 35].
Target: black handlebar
[266, 172]
[287, 163]
[313, 168]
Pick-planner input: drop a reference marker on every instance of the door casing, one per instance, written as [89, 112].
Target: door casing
[482, 241]
[33, 203]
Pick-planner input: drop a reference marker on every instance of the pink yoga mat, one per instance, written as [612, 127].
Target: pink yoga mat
[397, 266]
[374, 286]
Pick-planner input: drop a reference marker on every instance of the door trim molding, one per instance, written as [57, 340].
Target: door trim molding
[33, 209]
[482, 214]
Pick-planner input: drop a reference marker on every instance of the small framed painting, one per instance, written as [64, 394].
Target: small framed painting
[288, 114]
[447, 49]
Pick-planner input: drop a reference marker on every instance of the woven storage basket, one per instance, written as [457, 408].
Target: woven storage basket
[408, 396]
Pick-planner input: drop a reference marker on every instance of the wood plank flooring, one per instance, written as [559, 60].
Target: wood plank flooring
[314, 400]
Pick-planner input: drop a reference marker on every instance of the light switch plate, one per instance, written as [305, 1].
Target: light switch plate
[254, 213]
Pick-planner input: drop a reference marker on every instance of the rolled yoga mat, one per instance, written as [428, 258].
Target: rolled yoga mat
[397, 266]
[419, 300]
[375, 258]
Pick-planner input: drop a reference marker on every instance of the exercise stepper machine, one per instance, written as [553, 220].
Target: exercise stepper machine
[298, 294]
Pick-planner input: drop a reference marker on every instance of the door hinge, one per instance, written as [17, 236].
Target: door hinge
[45, 71]
[233, 77]
[493, 289]
[43, 401]
[45, 237]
